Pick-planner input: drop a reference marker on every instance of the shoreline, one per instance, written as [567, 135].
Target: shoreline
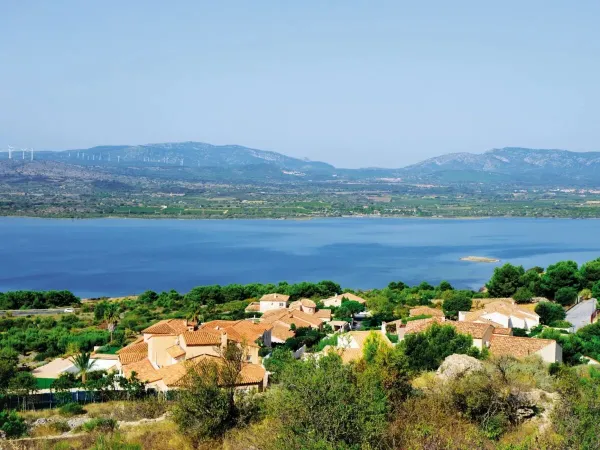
[296, 219]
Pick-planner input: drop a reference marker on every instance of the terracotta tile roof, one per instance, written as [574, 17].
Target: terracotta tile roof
[418, 326]
[253, 307]
[168, 326]
[503, 331]
[474, 329]
[201, 337]
[506, 307]
[250, 373]
[274, 298]
[348, 296]
[172, 375]
[281, 332]
[518, 347]
[135, 351]
[308, 303]
[296, 317]
[347, 354]
[176, 351]
[323, 314]
[144, 369]
[239, 331]
[426, 310]
[360, 337]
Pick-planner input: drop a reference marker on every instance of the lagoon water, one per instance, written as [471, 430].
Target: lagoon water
[115, 257]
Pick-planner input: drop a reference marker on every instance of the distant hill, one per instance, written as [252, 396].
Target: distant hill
[190, 154]
[512, 164]
[201, 161]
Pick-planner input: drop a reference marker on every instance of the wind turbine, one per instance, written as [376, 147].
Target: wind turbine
[10, 149]
[31, 153]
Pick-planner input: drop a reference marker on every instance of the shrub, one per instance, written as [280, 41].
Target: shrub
[60, 426]
[71, 409]
[12, 424]
[100, 424]
[459, 301]
[566, 296]
[549, 312]
[561, 324]
[523, 295]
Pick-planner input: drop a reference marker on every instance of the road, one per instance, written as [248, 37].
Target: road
[580, 314]
[34, 312]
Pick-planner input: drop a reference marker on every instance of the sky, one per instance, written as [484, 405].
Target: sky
[354, 83]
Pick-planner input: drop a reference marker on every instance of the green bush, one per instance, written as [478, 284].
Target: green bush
[12, 424]
[523, 295]
[566, 296]
[71, 409]
[61, 426]
[100, 424]
[549, 312]
[561, 324]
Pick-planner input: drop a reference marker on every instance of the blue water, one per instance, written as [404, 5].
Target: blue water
[121, 256]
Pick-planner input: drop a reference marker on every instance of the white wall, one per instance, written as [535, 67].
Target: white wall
[268, 306]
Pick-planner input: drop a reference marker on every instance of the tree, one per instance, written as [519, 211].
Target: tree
[84, 364]
[9, 359]
[561, 274]
[277, 362]
[585, 294]
[445, 286]
[590, 273]
[531, 280]
[327, 404]
[523, 295]
[459, 301]
[505, 281]
[397, 286]
[206, 406]
[549, 312]
[349, 309]
[596, 290]
[427, 350]
[111, 316]
[566, 296]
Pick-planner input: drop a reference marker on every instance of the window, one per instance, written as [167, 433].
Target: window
[281, 304]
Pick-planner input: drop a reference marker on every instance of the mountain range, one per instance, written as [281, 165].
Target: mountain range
[196, 159]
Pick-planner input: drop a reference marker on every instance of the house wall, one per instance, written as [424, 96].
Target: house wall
[196, 350]
[498, 318]
[462, 316]
[268, 306]
[551, 353]
[530, 323]
[157, 349]
[487, 337]
[478, 343]
[252, 355]
[308, 309]
[267, 338]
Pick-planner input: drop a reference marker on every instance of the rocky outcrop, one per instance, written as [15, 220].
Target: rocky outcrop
[457, 366]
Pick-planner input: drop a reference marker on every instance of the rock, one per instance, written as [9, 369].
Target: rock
[41, 421]
[2, 435]
[457, 366]
[77, 421]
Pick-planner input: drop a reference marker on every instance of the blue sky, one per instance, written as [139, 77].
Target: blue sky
[354, 83]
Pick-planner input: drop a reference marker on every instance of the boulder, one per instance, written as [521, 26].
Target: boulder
[457, 366]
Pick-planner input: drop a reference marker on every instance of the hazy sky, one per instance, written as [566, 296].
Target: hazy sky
[354, 83]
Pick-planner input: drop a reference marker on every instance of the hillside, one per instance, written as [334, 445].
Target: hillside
[513, 164]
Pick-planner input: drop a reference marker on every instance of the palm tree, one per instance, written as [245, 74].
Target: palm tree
[84, 363]
[111, 316]
[195, 315]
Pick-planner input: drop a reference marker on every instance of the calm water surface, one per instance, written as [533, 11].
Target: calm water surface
[120, 256]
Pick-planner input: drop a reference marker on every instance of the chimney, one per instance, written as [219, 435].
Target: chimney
[223, 340]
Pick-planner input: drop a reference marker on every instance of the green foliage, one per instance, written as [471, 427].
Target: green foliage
[84, 364]
[445, 286]
[280, 358]
[459, 301]
[8, 367]
[523, 295]
[348, 309]
[101, 424]
[590, 273]
[427, 350]
[12, 424]
[37, 299]
[549, 312]
[505, 281]
[577, 415]
[308, 404]
[559, 275]
[304, 336]
[561, 324]
[565, 296]
[71, 409]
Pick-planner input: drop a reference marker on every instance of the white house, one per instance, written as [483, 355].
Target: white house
[502, 313]
[270, 302]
